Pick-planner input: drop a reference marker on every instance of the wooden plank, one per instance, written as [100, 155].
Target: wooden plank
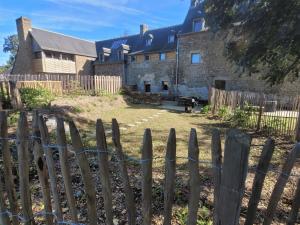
[235, 166]
[295, 207]
[194, 183]
[261, 107]
[4, 218]
[51, 167]
[65, 168]
[147, 154]
[23, 158]
[129, 197]
[7, 168]
[86, 174]
[41, 167]
[261, 171]
[280, 184]
[216, 155]
[170, 171]
[297, 133]
[104, 171]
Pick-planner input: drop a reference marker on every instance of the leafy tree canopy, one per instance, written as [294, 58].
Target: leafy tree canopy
[267, 35]
[11, 44]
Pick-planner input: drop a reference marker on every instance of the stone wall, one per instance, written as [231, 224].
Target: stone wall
[195, 79]
[153, 72]
[84, 65]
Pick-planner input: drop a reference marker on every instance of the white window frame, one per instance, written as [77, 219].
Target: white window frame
[201, 23]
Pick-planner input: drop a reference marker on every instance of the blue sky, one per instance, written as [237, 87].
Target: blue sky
[90, 19]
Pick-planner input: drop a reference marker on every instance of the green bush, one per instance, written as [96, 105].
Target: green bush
[224, 113]
[36, 98]
[206, 109]
[242, 116]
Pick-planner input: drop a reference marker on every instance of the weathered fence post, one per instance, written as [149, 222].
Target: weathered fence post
[194, 183]
[104, 171]
[147, 154]
[260, 113]
[216, 152]
[4, 218]
[41, 167]
[235, 166]
[280, 184]
[298, 127]
[15, 96]
[170, 172]
[129, 197]
[295, 207]
[23, 158]
[85, 172]
[7, 167]
[261, 171]
[51, 167]
[64, 164]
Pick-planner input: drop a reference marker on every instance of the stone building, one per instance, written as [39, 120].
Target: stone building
[180, 60]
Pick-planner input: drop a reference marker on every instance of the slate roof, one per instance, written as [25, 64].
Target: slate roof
[137, 42]
[46, 40]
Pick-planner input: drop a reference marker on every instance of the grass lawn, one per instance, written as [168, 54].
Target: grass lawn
[133, 120]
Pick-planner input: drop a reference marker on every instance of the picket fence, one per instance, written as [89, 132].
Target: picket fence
[229, 182]
[268, 112]
[86, 83]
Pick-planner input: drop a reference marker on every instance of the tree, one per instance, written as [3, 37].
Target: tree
[11, 44]
[267, 35]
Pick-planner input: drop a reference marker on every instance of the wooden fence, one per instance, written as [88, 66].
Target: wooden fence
[86, 83]
[267, 112]
[55, 87]
[229, 182]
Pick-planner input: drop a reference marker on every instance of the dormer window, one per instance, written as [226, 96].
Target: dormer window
[198, 25]
[171, 38]
[101, 57]
[148, 42]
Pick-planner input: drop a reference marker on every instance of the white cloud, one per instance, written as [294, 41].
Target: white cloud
[107, 4]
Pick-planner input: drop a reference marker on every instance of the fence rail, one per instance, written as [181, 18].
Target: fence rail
[87, 83]
[267, 112]
[229, 176]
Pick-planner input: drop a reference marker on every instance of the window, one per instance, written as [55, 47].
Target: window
[48, 54]
[196, 58]
[220, 84]
[171, 38]
[198, 25]
[120, 55]
[165, 85]
[148, 42]
[147, 86]
[101, 57]
[133, 58]
[162, 56]
[147, 57]
[67, 57]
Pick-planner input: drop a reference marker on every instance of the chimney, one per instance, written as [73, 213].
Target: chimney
[143, 29]
[23, 28]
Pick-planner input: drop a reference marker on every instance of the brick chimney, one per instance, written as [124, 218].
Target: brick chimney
[23, 63]
[143, 29]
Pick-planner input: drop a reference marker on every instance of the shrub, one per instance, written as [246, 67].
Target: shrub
[242, 117]
[224, 113]
[36, 98]
[206, 109]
